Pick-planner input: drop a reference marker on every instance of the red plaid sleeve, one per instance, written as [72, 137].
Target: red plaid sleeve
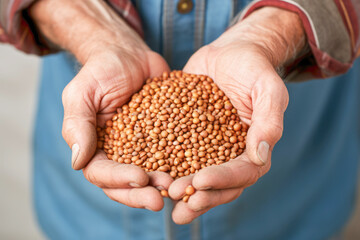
[332, 29]
[17, 29]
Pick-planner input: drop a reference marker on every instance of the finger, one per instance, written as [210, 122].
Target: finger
[160, 180]
[182, 214]
[146, 197]
[237, 173]
[269, 99]
[157, 64]
[79, 120]
[205, 200]
[177, 188]
[106, 173]
[201, 202]
[194, 65]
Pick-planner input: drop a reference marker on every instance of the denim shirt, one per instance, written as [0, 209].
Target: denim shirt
[307, 194]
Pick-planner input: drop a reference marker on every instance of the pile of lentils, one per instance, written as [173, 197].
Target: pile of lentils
[177, 123]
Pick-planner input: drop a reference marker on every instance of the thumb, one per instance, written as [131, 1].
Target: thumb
[196, 63]
[157, 64]
[79, 125]
[269, 99]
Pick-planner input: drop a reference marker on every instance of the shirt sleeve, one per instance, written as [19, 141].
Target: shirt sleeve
[332, 29]
[16, 27]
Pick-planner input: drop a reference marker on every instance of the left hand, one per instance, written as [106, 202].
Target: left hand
[242, 63]
[116, 61]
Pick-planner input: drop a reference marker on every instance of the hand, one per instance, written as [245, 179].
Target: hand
[106, 81]
[115, 62]
[242, 63]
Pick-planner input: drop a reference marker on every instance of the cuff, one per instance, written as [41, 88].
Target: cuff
[16, 27]
[327, 34]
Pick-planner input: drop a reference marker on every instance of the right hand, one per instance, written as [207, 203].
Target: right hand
[106, 81]
[116, 61]
[242, 63]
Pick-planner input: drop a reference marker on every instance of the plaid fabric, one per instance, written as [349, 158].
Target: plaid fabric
[333, 34]
[332, 28]
[16, 30]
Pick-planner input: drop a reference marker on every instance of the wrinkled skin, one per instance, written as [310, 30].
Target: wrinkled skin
[260, 96]
[116, 61]
[106, 82]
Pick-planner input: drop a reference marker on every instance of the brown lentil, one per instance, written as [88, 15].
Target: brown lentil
[186, 198]
[177, 123]
[164, 193]
[189, 190]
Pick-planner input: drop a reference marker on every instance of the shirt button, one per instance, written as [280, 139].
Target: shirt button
[185, 6]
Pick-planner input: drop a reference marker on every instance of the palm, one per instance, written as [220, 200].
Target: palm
[256, 91]
[237, 71]
[106, 82]
[113, 79]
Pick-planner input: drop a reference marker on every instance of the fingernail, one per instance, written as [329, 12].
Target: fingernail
[160, 188]
[135, 185]
[205, 188]
[75, 153]
[263, 151]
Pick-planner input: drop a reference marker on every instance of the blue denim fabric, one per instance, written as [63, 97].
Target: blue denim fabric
[308, 193]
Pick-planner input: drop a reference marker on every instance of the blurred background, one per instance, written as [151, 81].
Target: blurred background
[18, 88]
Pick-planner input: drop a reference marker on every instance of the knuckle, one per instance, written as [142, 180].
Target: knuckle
[132, 198]
[277, 131]
[201, 202]
[235, 196]
[284, 93]
[66, 92]
[90, 176]
[132, 174]
[110, 195]
[72, 91]
[205, 177]
[253, 178]
[66, 131]
[63, 133]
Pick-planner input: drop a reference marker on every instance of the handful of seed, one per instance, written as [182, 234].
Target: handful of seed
[178, 123]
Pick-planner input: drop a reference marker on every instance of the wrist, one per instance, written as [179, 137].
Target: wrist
[276, 33]
[83, 27]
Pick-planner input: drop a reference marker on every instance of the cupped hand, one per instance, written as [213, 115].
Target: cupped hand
[260, 96]
[106, 81]
[115, 63]
[244, 68]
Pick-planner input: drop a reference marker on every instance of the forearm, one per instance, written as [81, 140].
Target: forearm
[82, 26]
[332, 32]
[278, 33]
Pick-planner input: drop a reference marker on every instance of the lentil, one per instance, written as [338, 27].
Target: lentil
[186, 198]
[177, 123]
[189, 190]
[164, 193]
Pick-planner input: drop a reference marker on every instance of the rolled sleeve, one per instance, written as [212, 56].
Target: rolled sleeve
[16, 27]
[332, 29]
